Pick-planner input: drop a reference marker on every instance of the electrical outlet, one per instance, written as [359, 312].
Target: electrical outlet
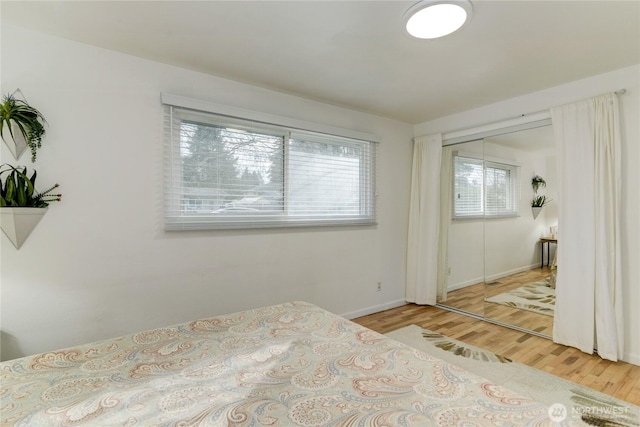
[379, 286]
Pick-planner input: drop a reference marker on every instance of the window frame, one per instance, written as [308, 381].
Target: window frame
[513, 193]
[175, 218]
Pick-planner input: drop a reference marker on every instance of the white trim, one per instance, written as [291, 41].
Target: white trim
[634, 359]
[374, 309]
[498, 128]
[510, 272]
[271, 119]
[493, 277]
[479, 156]
[461, 285]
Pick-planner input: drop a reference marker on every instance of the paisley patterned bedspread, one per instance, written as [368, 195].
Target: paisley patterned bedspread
[292, 364]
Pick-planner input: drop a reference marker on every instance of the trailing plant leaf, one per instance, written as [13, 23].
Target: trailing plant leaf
[18, 190]
[537, 182]
[30, 122]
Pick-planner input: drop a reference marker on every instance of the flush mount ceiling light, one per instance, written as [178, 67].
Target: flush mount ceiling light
[430, 19]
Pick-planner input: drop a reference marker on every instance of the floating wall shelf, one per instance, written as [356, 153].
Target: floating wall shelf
[17, 145]
[18, 223]
[536, 211]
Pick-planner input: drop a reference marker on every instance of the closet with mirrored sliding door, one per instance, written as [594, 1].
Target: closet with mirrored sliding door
[497, 267]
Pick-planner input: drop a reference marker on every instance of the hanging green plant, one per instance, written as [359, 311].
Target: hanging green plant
[537, 182]
[27, 120]
[17, 189]
[538, 201]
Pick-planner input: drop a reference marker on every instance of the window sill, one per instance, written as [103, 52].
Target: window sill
[192, 224]
[502, 216]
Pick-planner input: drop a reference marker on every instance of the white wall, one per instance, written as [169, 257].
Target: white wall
[512, 244]
[99, 264]
[628, 78]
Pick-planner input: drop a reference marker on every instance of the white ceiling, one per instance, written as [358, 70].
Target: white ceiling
[355, 53]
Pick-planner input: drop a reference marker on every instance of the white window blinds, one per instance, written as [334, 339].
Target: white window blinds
[329, 176]
[468, 187]
[483, 188]
[501, 189]
[223, 172]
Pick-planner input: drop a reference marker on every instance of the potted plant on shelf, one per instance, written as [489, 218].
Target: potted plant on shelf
[21, 206]
[21, 125]
[538, 201]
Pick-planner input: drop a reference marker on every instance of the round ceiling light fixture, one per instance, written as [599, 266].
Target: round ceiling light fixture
[430, 19]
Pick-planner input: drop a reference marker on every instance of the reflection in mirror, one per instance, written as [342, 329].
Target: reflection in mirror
[462, 184]
[519, 289]
[492, 240]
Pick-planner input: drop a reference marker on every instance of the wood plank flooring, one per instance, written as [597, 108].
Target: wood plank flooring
[619, 379]
[472, 299]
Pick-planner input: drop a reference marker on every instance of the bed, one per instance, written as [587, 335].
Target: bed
[292, 364]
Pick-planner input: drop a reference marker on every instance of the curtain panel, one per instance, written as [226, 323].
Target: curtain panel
[446, 190]
[424, 221]
[589, 296]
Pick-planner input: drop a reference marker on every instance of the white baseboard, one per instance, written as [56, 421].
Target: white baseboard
[374, 309]
[490, 278]
[634, 359]
[465, 284]
[510, 272]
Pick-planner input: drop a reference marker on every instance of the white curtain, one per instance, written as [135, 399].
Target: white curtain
[424, 221]
[588, 288]
[446, 173]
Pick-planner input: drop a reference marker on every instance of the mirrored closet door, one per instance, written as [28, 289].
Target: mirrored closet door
[463, 226]
[497, 266]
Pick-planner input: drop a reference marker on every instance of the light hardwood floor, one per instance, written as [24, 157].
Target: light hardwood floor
[621, 380]
[472, 299]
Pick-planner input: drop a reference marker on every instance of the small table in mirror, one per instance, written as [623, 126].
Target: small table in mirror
[546, 240]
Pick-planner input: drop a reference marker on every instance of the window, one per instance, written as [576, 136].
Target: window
[484, 188]
[225, 172]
